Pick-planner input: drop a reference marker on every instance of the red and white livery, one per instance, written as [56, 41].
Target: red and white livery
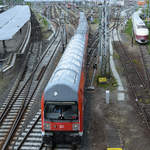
[140, 30]
[62, 103]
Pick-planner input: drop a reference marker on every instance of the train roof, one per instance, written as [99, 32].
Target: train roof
[64, 83]
[66, 77]
[138, 20]
[82, 27]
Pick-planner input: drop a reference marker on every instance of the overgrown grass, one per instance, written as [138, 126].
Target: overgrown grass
[96, 21]
[128, 28]
[115, 55]
[44, 26]
[45, 22]
[135, 61]
[148, 49]
[28, 3]
[144, 101]
[1, 2]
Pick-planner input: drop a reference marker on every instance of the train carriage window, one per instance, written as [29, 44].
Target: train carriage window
[61, 111]
[49, 112]
[142, 26]
[69, 111]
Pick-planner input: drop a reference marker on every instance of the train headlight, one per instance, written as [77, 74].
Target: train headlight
[47, 126]
[75, 127]
[43, 133]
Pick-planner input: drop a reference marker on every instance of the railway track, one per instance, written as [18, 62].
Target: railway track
[145, 62]
[72, 18]
[21, 98]
[56, 12]
[31, 137]
[137, 78]
[92, 57]
[15, 101]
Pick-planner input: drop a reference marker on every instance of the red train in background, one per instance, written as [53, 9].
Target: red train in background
[62, 103]
[69, 6]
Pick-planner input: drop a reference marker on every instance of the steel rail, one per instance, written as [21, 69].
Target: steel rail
[10, 103]
[147, 73]
[18, 148]
[133, 87]
[131, 63]
[22, 110]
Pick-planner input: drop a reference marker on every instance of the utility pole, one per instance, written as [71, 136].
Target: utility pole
[63, 32]
[104, 42]
[3, 2]
[85, 5]
[100, 30]
[145, 13]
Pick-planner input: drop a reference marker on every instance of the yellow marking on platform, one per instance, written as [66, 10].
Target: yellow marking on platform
[102, 79]
[114, 149]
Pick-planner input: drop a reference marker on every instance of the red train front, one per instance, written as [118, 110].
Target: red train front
[62, 103]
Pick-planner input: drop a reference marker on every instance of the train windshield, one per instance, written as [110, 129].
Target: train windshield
[61, 111]
[142, 26]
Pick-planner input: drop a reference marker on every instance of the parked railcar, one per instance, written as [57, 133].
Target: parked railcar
[140, 30]
[141, 2]
[62, 102]
[68, 5]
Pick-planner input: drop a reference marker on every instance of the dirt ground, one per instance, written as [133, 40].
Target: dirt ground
[117, 124]
[7, 81]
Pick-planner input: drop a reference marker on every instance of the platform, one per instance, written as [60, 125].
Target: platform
[13, 44]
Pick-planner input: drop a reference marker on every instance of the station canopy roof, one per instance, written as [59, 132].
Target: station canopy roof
[12, 20]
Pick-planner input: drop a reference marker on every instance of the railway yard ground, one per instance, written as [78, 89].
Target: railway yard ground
[12, 46]
[118, 124]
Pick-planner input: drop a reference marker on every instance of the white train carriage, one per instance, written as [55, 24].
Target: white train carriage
[140, 30]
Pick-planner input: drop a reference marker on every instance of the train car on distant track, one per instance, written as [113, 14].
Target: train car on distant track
[140, 30]
[141, 2]
[62, 102]
[68, 5]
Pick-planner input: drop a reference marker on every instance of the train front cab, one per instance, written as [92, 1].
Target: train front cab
[62, 122]
[141, 34]
[142, 39]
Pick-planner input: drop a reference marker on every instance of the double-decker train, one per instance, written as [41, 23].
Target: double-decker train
[140, 30]
[62, 103]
